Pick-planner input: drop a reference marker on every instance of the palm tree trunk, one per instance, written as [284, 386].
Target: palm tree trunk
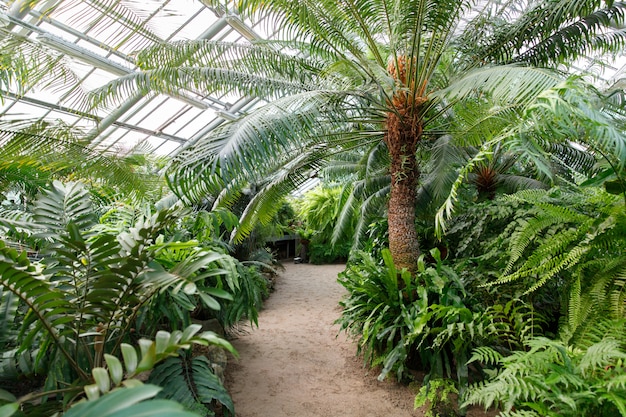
[403, 241]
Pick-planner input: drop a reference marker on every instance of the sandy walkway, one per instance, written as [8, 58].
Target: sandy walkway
[294, 365]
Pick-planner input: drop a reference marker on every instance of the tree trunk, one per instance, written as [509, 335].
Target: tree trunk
[403, 240]
[404, 131]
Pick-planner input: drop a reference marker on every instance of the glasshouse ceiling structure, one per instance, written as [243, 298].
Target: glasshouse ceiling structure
[98, 41]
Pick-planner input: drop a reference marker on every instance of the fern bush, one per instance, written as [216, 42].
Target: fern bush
[578, 241]
[428, 322]
[561, 250]
[193, 383]
[552, 378]
[83, 300]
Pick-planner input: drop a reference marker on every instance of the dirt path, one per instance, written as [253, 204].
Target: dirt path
[294, 365]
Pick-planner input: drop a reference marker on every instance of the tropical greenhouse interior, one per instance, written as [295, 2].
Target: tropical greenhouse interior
[464, 161]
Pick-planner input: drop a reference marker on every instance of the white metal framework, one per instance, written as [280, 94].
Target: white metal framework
[98, 40]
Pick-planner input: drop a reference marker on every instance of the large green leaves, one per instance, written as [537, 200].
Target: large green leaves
[192, 383]
[85, 295]
[129, 402]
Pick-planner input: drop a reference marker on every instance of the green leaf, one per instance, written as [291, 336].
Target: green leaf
[130, 357]
[115, 368]
[217, 292]
[161, 341]
[7, 396]
[124, 400]
[148, 358]
[8, 410]
[190, 331]
[209, 301]
[101, 376]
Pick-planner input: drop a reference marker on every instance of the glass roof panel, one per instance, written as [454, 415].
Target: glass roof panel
[197, 25]
[98, 39]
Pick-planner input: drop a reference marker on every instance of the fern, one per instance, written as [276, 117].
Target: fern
[552, 378]
[575, 239]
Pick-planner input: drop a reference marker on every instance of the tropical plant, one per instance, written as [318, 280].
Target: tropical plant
[553, 378]
[81, 301]
[374, 303]
[35, 152]
[343, 75]
[578, 241]
[193, 383]
[319, 211]
[117, 377]
[428, 321]
[568, 113]
[435, 397]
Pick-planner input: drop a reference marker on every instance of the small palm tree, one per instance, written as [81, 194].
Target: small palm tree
[346, 74]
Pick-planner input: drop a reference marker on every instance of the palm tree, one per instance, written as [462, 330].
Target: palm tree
[33, 152]
[341, 75]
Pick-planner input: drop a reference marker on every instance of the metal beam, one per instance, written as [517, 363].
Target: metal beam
[95, 118]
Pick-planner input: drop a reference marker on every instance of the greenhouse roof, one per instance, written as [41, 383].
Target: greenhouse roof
[98, 40]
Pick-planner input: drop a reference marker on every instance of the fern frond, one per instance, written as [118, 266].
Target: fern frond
[601, 354]
[485, 355]
[617, 382]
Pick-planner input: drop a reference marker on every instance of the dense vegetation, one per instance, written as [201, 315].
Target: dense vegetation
[476, 191]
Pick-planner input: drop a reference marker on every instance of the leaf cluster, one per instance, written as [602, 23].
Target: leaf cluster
[83, 300]
[553, 378]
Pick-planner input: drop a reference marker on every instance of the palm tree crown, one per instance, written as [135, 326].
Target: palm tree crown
[345, 74]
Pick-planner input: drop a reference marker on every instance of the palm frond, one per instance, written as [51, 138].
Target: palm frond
[192, 383]
[545, 33]
[133, 16]
[504, 84]
[286, 127]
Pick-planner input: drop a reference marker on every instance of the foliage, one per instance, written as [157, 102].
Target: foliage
[576, 239]
[34, 153]
[374, 303]
[325, 253]
[192, 382]
[436, 397]
[575, 29]
[570, 112]
[319, 210]
[195, 233]
[112, 378]
[128, 402]
[393, 74]
[84, 297]
[247, 298]
[552, 378]
[428, 321]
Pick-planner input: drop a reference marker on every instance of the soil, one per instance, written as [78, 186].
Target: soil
[297, 364]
